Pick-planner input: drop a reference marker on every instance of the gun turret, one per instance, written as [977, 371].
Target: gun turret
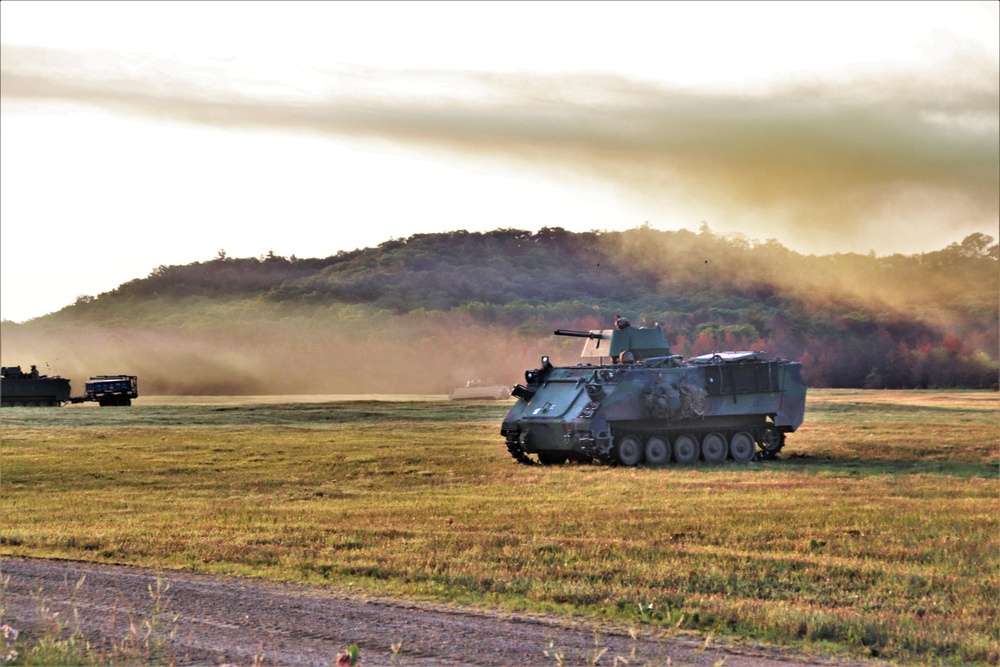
[641, 343]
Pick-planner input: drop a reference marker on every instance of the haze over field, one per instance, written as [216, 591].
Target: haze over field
[429, 312]
[154, 134]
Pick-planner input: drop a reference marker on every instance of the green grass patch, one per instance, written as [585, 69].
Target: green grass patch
[874, 534]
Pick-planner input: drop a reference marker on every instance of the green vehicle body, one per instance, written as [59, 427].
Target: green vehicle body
[647, 405]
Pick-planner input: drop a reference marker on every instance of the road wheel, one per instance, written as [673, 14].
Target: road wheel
[657, 450]
[630, 451]
[686, 449]
[742, 447]
[771, 441]
[713, 448]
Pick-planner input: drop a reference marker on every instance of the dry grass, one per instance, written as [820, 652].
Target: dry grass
[874, 534]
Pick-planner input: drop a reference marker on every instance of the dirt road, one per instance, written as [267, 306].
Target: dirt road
[213, 620]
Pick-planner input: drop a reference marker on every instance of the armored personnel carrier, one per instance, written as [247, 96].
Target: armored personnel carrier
[30, 389]
[640, 403]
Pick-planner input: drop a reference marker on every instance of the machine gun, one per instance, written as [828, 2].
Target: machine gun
[593, 335]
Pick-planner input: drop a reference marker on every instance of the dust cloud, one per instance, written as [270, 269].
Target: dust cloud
[865, 159]
[401, 355]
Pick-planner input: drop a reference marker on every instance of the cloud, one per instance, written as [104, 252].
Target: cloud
[901, 151]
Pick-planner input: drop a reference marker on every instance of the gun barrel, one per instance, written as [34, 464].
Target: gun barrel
[579, 334]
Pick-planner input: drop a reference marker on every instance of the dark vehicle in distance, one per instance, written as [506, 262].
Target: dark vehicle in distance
[479, 390]
[111, 390]
[29, 390]
[648, 405]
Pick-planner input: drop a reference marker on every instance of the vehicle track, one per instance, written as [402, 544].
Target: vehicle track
[216, 620]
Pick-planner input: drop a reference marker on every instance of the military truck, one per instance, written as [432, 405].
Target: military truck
[112, 390]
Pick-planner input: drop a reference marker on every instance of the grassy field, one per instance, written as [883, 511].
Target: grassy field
[874, 534]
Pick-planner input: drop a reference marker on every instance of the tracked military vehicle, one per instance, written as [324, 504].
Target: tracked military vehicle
[30, 389]
[640, 403]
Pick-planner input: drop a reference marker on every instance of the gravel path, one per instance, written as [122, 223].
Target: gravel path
[215, 620]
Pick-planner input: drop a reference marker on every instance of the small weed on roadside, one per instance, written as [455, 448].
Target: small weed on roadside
[59, 641]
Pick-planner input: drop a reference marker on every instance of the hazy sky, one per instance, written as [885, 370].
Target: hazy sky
[141, 134]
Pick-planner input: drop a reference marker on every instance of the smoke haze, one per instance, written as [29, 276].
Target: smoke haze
[866, 159]
[401, 357]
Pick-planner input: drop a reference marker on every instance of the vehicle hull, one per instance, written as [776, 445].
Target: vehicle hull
[586, 411]
[33, 392]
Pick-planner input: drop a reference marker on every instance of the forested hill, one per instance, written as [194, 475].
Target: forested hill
[853, 320]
